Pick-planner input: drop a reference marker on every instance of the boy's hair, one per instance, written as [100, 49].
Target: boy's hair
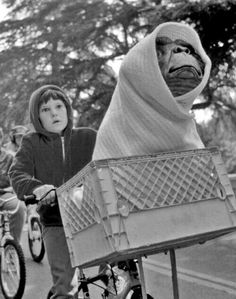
[51, 94]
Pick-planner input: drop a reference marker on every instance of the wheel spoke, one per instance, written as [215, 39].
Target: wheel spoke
[11, 273]
[36, 245]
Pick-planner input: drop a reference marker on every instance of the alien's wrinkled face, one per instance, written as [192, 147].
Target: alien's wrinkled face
[180, 65]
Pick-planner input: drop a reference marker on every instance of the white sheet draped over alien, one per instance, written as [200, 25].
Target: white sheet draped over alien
[158, 81]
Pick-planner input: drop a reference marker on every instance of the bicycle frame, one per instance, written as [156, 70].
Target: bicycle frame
[13, 270]
[31, 213]
[125, 271]
[85, 281]
[131, 282]
[5, 234]
[5, 227]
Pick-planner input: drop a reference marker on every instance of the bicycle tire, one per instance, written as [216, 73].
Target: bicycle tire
[12, 271]
[36, 228]
[50, 293]
[137, 294]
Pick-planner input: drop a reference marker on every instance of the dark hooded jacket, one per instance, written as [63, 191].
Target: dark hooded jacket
[40, 159]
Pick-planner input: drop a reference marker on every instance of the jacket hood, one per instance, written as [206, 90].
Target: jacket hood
[34, 109]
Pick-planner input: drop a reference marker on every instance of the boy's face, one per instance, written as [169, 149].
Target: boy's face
[53, 116]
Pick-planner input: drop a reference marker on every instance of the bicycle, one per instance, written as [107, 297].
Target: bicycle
[121, 279]
[35, 240]
[121, 282]
[12, 261]
[133, 207]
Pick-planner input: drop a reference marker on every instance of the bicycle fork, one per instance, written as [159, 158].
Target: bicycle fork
[83, 285]
[5, 228]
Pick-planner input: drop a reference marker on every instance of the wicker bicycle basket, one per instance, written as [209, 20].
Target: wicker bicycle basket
[146, 204]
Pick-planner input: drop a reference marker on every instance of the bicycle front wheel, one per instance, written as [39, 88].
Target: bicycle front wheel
[13, 271]
[136, 293]
[36, 245]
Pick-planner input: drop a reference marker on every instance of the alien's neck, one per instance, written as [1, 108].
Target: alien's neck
[180, 86]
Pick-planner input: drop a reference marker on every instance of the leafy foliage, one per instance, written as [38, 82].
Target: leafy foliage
[73, 44]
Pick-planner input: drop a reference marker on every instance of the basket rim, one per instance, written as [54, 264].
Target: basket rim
[156, 156]
[103, 163]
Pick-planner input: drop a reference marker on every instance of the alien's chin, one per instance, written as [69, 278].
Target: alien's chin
[184, 72]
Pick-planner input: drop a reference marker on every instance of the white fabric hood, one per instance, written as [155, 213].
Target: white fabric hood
[143, 116]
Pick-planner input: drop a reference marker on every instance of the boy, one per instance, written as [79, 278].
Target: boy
[17, 219]
[15, 136]
[46, 159]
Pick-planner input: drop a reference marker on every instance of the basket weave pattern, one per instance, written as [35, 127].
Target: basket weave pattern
[159, 183]
[146, 184]
[80, 216]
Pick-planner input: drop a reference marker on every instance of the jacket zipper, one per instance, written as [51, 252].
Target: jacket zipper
[63, 155]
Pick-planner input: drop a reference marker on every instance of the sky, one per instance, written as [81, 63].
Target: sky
[3, 11]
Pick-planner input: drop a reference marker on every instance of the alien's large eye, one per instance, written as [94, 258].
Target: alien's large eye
[183, 44]
[160, 52]
[162, 43]
[163, 40]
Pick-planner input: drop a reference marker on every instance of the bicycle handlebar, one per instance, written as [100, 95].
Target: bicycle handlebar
[89, 280]
[9, 210]
[30, 199]
[6, 190]
[84, 282]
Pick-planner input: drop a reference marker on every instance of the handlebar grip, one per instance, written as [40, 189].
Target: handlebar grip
[30, 199]
[5, 190]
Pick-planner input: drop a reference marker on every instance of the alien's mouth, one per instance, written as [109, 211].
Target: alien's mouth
[185, 72]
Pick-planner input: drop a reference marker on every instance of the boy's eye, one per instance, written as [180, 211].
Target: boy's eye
[59, 106]
[45, 109]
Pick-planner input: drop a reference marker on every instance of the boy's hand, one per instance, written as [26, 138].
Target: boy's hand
[40, 193]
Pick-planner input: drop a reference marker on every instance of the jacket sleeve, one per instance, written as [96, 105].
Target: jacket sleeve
[21, 172]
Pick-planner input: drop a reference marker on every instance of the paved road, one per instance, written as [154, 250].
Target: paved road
[204, 272]
[38, 279]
